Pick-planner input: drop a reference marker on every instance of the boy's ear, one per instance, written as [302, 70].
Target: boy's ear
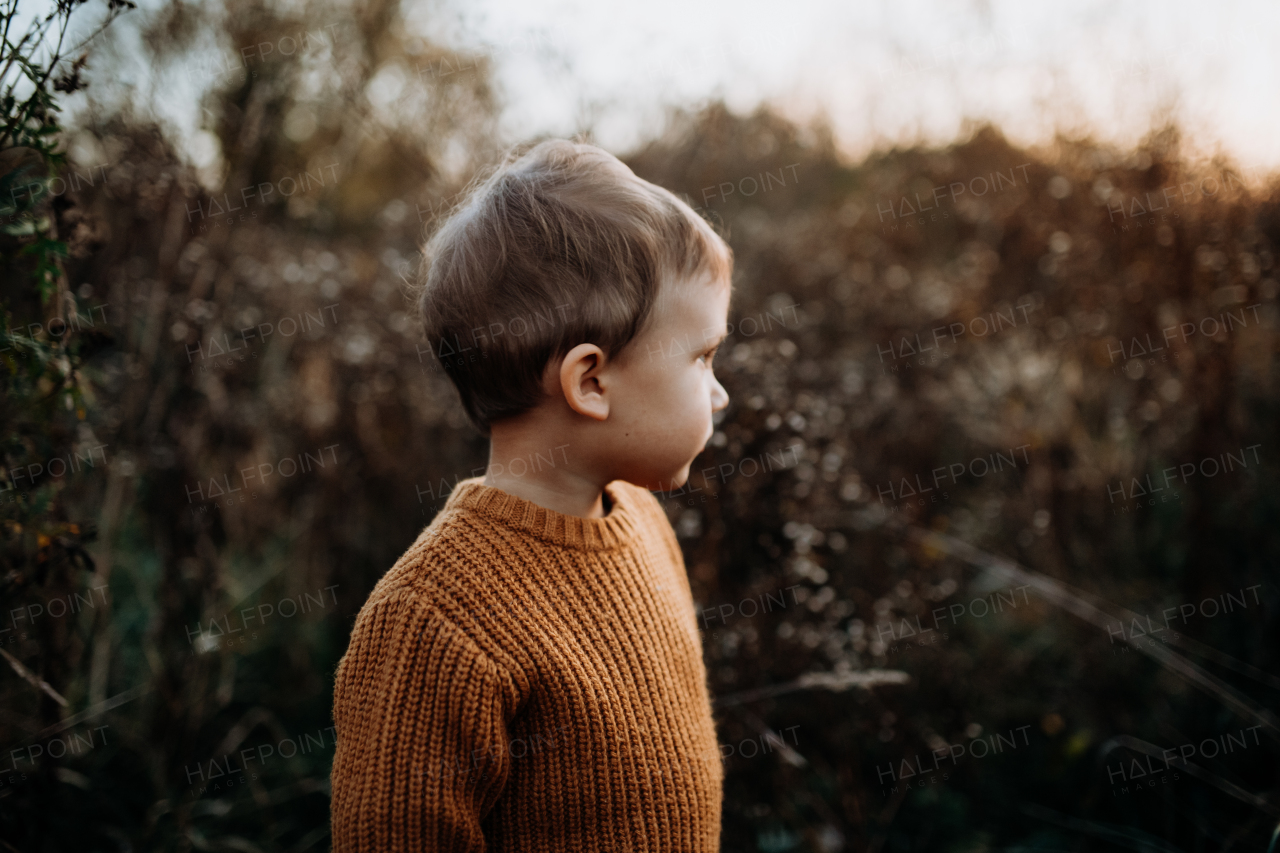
[583, 383]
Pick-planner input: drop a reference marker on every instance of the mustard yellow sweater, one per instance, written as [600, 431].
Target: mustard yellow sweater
[528, 680]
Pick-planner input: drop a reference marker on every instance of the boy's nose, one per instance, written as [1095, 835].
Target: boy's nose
[719, 396]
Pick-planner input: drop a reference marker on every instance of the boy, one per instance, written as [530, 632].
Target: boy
[528, 676]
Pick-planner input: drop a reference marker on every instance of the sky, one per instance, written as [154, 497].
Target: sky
[883, 73]
[887, 72]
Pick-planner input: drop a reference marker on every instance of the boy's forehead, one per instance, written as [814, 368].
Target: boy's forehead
[697, 308]
[701, 294]
[690, 313]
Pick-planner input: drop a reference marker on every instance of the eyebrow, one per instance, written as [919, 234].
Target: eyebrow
[718, 341]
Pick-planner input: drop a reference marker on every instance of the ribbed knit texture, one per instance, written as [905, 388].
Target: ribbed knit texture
[528, 680]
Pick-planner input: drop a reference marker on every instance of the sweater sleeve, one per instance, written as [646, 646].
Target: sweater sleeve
[421, 752]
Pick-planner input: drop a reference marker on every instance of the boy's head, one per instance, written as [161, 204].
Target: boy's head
[568, 293]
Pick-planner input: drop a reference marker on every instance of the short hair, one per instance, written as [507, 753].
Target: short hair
[559, 246]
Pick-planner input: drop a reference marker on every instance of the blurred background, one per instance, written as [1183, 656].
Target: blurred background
[984, 547]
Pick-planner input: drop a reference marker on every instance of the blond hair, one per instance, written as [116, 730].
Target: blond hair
[559, 246]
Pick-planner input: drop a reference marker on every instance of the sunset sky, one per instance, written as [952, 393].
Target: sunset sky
[884, 72]
[888, 71]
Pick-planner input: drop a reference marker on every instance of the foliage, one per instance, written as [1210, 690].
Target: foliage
[43, 393]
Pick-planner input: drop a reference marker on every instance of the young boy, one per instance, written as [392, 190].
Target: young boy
[529, 676]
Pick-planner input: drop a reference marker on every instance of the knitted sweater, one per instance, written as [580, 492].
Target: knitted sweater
[523, 679]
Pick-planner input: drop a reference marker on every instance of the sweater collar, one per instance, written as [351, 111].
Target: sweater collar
[620, 526]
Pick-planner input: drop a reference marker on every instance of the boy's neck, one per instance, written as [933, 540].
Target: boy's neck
[556, 488]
